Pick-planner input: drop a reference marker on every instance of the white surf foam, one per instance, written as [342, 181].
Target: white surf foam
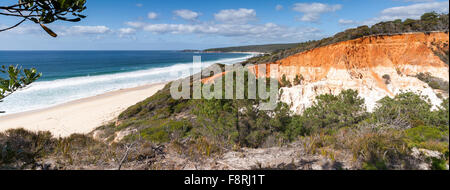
[50, 93]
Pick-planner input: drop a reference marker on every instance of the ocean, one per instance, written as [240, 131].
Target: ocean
[72, 75]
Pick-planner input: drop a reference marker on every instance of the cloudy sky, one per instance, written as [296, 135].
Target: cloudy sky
[200, 24]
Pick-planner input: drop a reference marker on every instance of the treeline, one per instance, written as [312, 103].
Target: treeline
[427, 23]
[255, 48]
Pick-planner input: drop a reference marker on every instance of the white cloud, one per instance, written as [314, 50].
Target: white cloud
[62, 30]
[236, 15]
[139, 5]
[230, 23]
[268, 31]
[135, 24]
[152, 15]
[25, 29]
[126, 31]
[86, 30]
[416, 1]
[279, 7]
[413, 11]
[346, 22]
[186, 14]
[313, 11]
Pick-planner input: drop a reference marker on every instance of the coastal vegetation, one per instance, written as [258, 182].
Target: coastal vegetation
[434, 82]
[200, 129]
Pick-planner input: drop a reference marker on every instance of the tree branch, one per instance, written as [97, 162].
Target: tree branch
[12, 6]
[128, 147]
[21, 15]
[45, 12]
[1, 30]
[15, 15]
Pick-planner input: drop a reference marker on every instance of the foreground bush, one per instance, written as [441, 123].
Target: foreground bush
[329, 112]
[199, 129]
[24, 146]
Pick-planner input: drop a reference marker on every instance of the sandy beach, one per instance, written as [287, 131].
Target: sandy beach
[79, 116]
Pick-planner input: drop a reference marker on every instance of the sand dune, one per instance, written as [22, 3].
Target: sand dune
[80, 116]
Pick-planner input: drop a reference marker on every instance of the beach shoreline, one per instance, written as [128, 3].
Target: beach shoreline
[79, 116]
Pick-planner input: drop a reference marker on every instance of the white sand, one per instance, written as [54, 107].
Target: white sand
[80, 116]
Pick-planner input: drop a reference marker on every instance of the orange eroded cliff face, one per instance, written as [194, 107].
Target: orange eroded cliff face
[413, 49]
[407, 53]
[361, 64]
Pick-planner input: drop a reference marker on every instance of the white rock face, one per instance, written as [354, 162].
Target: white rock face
[122, 134]
[422, 156]
[368, 82]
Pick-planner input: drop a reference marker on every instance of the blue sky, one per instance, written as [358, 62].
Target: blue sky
[200, 24]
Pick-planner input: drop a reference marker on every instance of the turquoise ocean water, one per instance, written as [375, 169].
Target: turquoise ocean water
[71, 75]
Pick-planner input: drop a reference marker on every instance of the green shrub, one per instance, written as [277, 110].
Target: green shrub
[285, 82]
[238, 122]
[298, 79]
[424, 133]
[427, 137]
[378, 165]
[332, 112]
[380, 150]
[161, 105]
[155, 134]
[438, 164]
[434, 85]
[22, 149]
[166, 132]
[433, 82]
[19, 145]
[405, 109]
[442, 115]
[297, 128]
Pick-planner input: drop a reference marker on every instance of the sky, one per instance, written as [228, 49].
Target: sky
[202, 24]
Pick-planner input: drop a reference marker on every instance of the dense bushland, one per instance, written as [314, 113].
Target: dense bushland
[380, 139]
